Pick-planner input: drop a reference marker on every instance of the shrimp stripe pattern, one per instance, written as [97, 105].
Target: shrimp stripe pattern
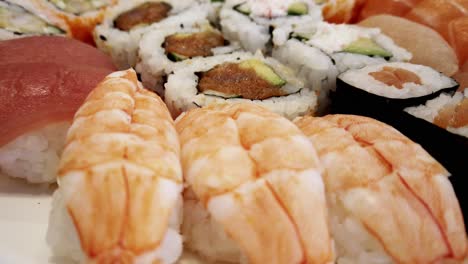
[120, 172]
[396, 190]
[259, 177]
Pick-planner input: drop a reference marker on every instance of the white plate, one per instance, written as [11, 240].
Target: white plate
[24, 213]
[24, 216]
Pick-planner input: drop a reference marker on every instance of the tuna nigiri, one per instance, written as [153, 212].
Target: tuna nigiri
[120, 179]
[40, 94]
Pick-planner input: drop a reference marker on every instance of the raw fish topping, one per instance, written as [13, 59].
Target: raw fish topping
[395, 77]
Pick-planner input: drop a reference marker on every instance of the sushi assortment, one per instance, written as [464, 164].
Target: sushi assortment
[138, 187]
[240, 131]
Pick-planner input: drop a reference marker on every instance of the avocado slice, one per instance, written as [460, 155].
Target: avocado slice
[298, 9]
[176, 57]
[217, 1]
[367, 46]
[263, 71]
[243, 8]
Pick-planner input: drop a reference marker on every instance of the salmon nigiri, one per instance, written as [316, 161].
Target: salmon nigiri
[393, 7]
[438, 13]
[458, 37]
[341, 11]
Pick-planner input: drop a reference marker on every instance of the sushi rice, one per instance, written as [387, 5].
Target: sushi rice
[181, 92]
[35, 156]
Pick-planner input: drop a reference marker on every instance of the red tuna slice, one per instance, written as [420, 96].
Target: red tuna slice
[53, 49]
[36, 94]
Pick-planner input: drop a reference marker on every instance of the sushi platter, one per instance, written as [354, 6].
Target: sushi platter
[233, 131]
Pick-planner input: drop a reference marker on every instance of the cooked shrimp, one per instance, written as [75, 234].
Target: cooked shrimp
[120, 179]
[389, 200]
[254, 188]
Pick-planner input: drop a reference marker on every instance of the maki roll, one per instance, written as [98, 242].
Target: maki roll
[350, 46]
[444, 121]
[393, 85]
[245, 201]
[162, 49]
[124, 25]
[446, 111]
[238, 77]
[20, 19]
[250, 22]
[389, 201]
[81, 16]
[120, 179]
[320, 51]
[389, 103]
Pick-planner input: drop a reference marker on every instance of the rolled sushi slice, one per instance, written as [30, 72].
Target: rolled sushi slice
[215, 9]
[120, 33]
[162, 49]
[350, 46]
[445, 125]
[389, 85]
[18, 19]
[389, 201]
[238, 77]
[446, 111]
[316, 67]
[250, 22]
[120, 179]
[81, 16]
[244, 201]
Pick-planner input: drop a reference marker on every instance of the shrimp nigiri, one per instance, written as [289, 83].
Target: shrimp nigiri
[120, 180]
[389, 200]
[254, 188]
